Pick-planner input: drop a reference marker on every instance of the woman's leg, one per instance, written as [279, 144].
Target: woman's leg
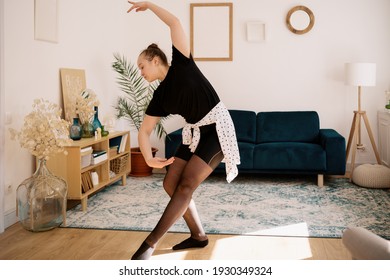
[194, 173]
[191, 216]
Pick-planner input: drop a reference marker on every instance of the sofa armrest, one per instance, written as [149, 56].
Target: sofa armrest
[172, 142]
[334, 146]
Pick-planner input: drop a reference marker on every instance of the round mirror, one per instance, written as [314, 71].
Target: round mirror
[300, 20]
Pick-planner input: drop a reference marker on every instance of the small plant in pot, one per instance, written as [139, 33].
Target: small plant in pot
[132, 106]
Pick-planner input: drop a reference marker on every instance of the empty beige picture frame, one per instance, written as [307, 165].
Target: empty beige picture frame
[211, 31]
[45, 20]
[255, 31]
[73, 82]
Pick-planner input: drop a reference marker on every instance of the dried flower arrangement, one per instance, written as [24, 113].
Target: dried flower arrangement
[82, 105]
[44, 132]
[85, 103]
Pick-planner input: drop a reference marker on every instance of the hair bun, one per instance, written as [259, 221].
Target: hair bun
[153, 46]
[152, 51]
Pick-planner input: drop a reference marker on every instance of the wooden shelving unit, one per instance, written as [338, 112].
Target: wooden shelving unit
[69, 166]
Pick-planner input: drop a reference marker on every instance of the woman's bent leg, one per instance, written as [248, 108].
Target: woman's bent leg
[191, 216]
[194, 173]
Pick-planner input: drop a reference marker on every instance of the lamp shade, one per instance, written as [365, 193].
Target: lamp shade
[360, 74]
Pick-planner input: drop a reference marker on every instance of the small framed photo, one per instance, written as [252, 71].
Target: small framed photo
[255, 31]
[45, 20]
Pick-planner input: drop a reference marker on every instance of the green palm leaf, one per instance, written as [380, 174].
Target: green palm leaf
[133, 104]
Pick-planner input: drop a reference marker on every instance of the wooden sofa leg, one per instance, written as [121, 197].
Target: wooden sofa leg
[320, 180]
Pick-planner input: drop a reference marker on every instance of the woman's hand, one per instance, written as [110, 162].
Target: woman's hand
[138, 6]
[157, 162]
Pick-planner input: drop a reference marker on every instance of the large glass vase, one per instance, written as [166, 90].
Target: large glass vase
[41, 200]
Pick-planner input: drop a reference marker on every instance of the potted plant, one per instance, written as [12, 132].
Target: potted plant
[132, 107]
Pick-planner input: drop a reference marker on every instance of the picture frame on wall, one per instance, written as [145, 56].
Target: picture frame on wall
[255, 31]
[211, 31]
[46, 20]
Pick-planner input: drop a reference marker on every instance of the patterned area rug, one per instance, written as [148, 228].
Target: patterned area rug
[250, 205]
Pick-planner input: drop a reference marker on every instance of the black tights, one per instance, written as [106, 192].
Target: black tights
[180, 182]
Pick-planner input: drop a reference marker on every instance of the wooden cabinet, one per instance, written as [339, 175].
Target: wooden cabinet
[71, 166]
[384, 136]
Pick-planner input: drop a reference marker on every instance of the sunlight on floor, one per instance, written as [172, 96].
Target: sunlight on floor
[290, 230]
[170, 255]
[251, 246]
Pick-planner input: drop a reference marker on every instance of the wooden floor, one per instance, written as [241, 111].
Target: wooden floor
[17, 243]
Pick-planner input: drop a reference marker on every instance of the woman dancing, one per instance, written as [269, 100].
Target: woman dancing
[208, 137]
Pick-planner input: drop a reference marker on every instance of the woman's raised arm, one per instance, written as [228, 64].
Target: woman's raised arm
[178, 36]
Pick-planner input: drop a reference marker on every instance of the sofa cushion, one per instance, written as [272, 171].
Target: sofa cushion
[289, 126]
[246, 155]
[245, 125]
[293, 156]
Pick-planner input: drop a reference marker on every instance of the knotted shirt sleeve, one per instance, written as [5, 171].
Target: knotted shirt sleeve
[226, 135]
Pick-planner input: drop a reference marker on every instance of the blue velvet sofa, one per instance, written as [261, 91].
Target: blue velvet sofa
[286, 142]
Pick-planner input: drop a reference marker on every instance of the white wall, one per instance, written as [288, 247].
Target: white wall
[287, 72]
[2, 122]
[89, 32]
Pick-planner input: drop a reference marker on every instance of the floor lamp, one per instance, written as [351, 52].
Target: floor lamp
[360, 74]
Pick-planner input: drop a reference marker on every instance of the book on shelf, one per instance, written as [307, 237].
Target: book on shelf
[97, 153]
[86, 181]
[98, 156]
[122, 145]
[119, 142]
[113, 151]
[115, 142]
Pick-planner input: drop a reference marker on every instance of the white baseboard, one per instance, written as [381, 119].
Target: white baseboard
[10, 218]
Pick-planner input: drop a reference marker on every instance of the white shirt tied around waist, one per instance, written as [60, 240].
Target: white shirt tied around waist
[226, 135]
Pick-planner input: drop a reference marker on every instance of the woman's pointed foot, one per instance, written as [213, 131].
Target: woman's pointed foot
[191, 243]
[144, 252]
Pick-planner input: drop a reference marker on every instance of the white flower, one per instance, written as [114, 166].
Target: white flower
[44, 133]
[84, 104]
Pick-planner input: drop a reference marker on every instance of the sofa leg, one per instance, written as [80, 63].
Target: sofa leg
[320, 180]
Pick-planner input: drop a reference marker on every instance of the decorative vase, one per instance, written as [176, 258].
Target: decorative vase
[87, 130]
[104, 132]
[41, 200]
[387, 105]
[75, 130]
[139, 168]
[96, 122]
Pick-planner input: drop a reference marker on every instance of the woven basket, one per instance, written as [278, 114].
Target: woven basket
[118, 165]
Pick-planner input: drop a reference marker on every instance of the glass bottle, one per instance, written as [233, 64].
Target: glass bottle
[104, 131]
[96, 122]
[387, 94]
[75, 130]
[41, 200]
[87, 130]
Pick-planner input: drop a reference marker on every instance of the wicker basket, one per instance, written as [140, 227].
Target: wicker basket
[118, 165]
